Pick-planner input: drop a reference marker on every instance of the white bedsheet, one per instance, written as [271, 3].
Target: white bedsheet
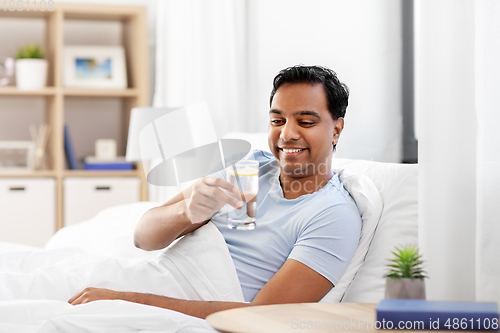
[35, 287]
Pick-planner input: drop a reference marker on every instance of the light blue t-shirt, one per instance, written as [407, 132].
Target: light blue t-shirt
[320, 230]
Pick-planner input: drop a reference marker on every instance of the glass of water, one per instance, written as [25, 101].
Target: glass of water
[245, 176]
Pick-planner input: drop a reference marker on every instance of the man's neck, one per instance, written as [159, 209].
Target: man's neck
[295, 187]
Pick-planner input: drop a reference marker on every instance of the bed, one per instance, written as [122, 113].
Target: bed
[35, 283]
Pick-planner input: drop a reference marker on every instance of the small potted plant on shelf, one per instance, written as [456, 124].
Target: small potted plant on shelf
[31, 68]
[406, 276]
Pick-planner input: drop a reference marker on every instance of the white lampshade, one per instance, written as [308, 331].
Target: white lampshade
[139, 118]
[184, 140]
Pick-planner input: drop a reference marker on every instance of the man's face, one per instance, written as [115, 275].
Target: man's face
[301, 130]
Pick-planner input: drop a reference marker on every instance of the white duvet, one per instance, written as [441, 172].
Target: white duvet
[35, 286]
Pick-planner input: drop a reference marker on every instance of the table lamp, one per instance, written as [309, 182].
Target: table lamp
[184, 140]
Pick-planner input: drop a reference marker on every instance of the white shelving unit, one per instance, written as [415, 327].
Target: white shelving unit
[134, 41]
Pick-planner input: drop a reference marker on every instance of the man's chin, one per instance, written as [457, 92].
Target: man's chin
[298, 171]
[303, 169]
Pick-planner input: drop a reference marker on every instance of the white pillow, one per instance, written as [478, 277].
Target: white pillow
[398, 225]
[369, 202]
[8, 247]
[109, 233]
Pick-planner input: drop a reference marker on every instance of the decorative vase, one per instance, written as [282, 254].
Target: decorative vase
[405, 288]
[31, 74]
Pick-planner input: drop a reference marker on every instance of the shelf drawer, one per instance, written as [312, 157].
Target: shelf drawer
[84, 197]
[27, 210]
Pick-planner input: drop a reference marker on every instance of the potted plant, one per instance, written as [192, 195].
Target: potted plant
[31, 68]
[406, 276]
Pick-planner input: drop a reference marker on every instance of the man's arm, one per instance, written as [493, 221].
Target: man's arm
[160, 226]
[186, 212]
[293, 283]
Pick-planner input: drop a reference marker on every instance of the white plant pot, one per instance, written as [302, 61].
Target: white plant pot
[405, 288]
[31, 74]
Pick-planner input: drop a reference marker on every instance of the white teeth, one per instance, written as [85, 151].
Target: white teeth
[291, 150]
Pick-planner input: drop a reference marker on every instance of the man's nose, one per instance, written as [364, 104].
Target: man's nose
[289, 132]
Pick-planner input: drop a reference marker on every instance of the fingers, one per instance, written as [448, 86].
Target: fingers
[212, 196]
[198, 213]
[252, 208]
[79, 298]
[204, 198]
[232, 198]
[92, 294]
[81, 293]
[209, 195]
[214, 181]
[72, 299]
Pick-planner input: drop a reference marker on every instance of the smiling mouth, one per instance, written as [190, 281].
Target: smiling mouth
[292, 151]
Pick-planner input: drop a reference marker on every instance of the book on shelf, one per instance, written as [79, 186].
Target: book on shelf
[68, 148]
[434, 315]
[119, 163]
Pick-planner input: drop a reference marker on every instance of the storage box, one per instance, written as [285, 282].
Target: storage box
[84, 197]
[27, 210]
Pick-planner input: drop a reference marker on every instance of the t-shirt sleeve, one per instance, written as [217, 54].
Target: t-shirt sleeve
[328, 242]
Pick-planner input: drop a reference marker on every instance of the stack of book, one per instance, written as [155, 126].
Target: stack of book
[437, 315]
[93, 163]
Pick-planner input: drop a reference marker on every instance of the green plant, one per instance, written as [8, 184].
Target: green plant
[30, 51]
[407, 263]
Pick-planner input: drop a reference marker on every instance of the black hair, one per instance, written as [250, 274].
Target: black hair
[337, 93]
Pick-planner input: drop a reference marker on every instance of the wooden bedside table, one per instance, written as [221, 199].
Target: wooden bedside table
[304, 317]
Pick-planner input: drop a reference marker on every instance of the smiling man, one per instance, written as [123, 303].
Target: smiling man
[308, 226]
[304, 128]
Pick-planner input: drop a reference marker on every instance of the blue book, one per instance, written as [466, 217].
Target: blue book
[108, 166]
[68, 148]
[433, 315]
[91, 163]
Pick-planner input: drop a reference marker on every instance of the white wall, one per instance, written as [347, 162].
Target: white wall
[359, 39]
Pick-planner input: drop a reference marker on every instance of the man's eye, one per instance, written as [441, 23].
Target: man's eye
[306, 123]
[276, 122]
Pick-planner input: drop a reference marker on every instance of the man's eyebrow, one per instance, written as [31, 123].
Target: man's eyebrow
[307, 113]
[298, 113]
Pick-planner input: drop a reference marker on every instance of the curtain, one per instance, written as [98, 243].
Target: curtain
[201, 56]
[488, 145]
[457, 102]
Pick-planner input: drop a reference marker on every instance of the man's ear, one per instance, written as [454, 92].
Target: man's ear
[338, 126]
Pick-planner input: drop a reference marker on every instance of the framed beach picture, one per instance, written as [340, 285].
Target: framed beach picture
[95, 67]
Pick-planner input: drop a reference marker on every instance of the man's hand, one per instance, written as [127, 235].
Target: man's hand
[200, 309]
[185, 212]
[207, 197]
[293, 283]
[95, 294]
